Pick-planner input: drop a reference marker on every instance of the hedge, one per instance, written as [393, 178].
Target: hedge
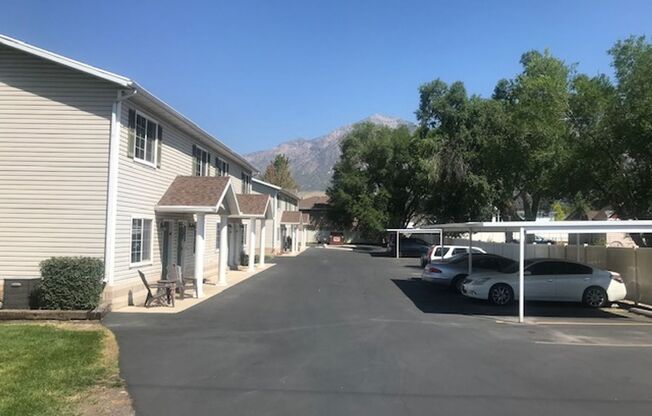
[71, 283]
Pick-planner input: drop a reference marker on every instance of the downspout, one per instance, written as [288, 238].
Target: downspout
[112, 186]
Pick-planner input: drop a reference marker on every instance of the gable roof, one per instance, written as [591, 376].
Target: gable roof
[291, 217]
[71, 63]
[253, 204]
[196, 194]
[309, 203]
[124, 82]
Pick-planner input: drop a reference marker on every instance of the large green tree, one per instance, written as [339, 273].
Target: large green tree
[449, 149]
[612, 134]
[376, 182]
[536, 104]
[278, 173]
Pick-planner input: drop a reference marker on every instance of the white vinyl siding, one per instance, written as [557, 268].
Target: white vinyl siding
[54, 140]
[140, 187]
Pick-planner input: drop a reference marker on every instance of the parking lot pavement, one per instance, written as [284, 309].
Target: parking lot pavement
[337, 332]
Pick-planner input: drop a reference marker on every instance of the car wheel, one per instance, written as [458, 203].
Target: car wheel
[501, 294]
[595, 297]
[457, 282]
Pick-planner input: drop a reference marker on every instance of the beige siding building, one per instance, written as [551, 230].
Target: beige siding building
[86, 158]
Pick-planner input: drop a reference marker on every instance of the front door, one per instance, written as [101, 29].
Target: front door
[181, 242]
[165, 248]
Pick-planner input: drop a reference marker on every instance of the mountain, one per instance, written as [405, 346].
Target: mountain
[312, 160]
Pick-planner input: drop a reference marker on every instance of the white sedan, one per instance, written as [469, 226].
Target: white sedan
[548, 280]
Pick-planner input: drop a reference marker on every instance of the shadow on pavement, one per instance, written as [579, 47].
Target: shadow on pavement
[440, 300]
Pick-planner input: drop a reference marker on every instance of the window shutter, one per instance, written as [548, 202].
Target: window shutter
[131, 133]
[194, 160]
[216, 164]
[159, 146]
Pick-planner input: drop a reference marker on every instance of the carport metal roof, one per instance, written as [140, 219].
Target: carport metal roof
[424, 230]
[534, 227]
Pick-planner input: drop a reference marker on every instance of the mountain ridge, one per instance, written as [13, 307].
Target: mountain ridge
[312, 160]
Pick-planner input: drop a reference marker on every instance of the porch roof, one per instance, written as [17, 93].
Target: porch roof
[199, 194]
[291, 217]
[254, 205]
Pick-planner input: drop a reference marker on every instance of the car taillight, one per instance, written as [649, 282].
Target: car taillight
[617, 277]
[434, 270]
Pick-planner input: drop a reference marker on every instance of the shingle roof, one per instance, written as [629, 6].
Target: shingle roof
[309, 203]
[291, 217]
[252, 204]
[195, 191]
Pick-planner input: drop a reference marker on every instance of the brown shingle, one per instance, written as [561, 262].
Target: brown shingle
[291, 217]
[309, 203]
[196, 191]
[252, 204]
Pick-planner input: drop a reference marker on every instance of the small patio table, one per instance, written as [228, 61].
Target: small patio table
[170, 289]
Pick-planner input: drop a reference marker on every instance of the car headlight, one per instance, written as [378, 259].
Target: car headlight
[480, 281]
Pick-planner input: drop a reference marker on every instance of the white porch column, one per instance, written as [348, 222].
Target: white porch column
[224, 251]
[295, 235]
[303, 239]
[199, 254]
[261, 256]
[252, 243]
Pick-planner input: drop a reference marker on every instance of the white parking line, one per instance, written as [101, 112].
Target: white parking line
[584, 344]
[498, 321]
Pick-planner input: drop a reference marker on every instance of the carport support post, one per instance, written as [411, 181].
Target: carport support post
[199, 255]
[470, 252]
[261, 256]
[224, 250]
[521, 275]
[252, 244]
[397, 242]
[441, 243]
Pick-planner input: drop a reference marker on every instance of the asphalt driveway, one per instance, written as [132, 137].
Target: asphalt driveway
[343, 333]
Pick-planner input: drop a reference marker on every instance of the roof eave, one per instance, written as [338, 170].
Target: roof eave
[71, 63]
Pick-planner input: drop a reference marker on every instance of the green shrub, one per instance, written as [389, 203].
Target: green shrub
[71, 283]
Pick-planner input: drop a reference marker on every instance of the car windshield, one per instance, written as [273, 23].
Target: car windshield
[513, 267]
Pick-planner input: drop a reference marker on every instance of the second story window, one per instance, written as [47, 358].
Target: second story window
[145, 137]
[246, 183]
[221, 167]
[201, 161]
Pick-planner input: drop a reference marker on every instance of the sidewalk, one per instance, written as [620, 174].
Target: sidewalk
[233, 277]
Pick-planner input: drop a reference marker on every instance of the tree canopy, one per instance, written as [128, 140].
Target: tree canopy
[548, 134]
[278, 173]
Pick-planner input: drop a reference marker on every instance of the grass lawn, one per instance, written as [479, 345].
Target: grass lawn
[48, 369]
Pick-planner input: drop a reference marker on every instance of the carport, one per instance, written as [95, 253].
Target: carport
[525, 228]
[400, 231]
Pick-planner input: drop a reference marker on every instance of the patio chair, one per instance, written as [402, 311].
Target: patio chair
[183, 283]
[160, 297]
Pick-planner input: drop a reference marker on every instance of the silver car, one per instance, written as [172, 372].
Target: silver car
[452, 272]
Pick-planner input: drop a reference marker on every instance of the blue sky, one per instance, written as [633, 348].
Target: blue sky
[255, 73]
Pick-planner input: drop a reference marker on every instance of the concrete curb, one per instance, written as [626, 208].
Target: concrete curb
[643, 312]
[52, 315]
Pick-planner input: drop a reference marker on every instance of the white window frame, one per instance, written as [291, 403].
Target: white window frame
[246, 182]
[154, 146]
[204, 168]
[222, 166]
[144, 218]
